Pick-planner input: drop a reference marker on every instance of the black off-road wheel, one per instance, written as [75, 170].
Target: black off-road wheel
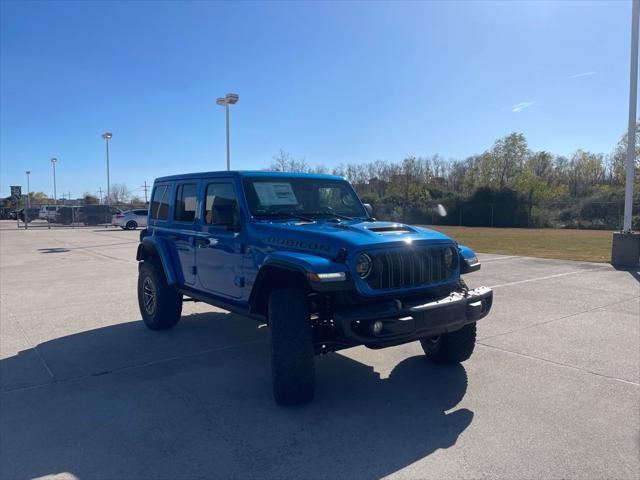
[452, 347]
[292, 355]
[160, 304]
[131, 225]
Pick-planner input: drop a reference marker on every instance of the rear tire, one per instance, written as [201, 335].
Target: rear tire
[131, 225]
[160, 304]
[452, 347]
[292, 355]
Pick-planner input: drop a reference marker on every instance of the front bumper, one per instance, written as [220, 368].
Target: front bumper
[404, 322]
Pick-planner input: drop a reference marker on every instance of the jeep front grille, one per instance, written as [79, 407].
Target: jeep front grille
[411, 267]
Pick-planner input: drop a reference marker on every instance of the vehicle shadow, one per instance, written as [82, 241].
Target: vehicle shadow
[196, 402]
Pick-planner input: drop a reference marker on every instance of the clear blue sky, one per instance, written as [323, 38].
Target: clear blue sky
[331, 82]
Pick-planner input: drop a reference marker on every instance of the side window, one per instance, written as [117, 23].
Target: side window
[160, 203]
[186, 202]
[140, 212]
[221, 206]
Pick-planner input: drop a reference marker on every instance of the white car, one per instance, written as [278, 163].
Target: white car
[131, 219]
[49, 213]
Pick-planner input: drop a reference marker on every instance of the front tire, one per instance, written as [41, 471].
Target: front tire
[452, 347]
[292, 355]
[160, 304]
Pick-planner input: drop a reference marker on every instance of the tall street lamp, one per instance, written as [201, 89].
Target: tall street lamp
[28, 172]
[107, 136]
[229, 99]
[55, 196]
[625, 249]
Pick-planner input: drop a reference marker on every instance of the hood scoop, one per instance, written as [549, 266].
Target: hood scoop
[391, 229]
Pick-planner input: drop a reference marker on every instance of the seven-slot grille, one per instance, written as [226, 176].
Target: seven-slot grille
[410, 267]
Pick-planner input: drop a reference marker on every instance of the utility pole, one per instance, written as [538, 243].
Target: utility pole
[145, 186]
[100, 191]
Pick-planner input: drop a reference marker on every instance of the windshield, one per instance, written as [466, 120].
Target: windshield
[306, 197]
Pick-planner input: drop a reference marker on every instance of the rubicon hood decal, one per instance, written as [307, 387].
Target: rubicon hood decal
[301, 244]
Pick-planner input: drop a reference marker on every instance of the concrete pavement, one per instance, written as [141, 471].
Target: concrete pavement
[88, 392]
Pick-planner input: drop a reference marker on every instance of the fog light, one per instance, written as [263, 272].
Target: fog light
[376, 327]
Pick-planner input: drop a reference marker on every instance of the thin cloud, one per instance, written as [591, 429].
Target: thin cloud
[583, 74]
[518, 107]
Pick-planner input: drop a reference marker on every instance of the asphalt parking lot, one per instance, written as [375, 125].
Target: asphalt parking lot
[88, 392]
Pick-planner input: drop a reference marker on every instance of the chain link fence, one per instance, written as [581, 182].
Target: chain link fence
[71, 216]
[575, 215]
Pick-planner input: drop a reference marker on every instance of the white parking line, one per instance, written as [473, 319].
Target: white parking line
[496, 259]
[548, 277]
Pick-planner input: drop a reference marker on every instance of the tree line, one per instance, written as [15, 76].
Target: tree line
[507, 185]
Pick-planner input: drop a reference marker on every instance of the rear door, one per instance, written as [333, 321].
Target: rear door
[184, 228]
[219, 252]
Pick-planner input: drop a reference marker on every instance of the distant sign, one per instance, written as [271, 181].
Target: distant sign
[16, 192]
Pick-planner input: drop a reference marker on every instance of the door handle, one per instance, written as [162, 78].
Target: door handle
[206, 242]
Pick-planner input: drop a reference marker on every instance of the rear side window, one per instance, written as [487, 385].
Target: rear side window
[160, 203]
[140, 212]
[186, 203]
[221, 206]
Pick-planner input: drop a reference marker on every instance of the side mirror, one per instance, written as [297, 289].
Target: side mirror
[369, 209]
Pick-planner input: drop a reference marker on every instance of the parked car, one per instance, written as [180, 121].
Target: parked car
[96, 214]
[303, 254]
[49, 212]
[66, 215]
[131, 219]
[29, 214]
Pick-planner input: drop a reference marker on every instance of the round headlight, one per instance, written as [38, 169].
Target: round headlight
[448, 257]
[363, 265]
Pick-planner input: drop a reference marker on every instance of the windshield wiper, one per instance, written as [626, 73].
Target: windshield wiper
[283, 214]
[333, 214]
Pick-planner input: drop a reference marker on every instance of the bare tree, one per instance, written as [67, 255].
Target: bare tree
[120, 193]
[285, 162]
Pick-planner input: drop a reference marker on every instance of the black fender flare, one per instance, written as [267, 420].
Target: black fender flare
[152, 249]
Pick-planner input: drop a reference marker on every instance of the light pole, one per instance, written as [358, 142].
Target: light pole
[107, 136]
[625, 250]
[55, 196]
[631, 134]
[28, 172]
[229, 99]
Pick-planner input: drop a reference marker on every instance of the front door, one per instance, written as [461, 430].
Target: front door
[218, 252]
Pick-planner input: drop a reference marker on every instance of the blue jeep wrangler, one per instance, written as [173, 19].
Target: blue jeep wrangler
[302, 253]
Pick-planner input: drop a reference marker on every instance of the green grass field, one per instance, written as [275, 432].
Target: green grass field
[583, 245]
